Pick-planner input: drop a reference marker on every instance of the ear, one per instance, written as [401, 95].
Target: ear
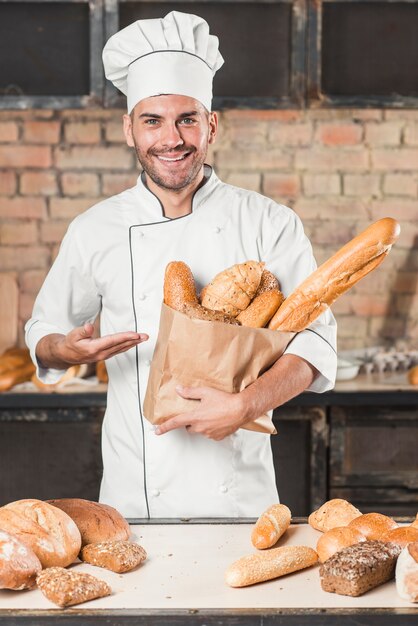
[213, 126]
[127, 129]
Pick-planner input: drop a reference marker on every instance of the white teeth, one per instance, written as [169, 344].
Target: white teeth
[174, 159]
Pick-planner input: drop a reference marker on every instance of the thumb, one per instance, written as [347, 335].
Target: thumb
[193, 393]
[84, 332]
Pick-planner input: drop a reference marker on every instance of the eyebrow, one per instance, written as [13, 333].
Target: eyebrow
[160, 117]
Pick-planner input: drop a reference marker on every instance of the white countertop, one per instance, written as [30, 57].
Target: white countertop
[185, 570]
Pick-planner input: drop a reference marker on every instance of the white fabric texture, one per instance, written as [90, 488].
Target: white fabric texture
[172, 55]
[120, 271]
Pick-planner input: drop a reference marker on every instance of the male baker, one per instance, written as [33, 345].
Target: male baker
[112, 262]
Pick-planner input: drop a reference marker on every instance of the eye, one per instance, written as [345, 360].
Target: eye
[187, 121]
[151, 121]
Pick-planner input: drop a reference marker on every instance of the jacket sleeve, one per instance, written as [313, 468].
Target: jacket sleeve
[67, 299]
[289, 256]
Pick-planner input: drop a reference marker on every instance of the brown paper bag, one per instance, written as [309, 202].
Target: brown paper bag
[194, 352]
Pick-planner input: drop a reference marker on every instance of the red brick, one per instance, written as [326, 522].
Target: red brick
[395, 159]
[400, 185]
[30, 114]
[281, 185]
[377, 282]
[25, 156]
[76, 184]
[326, 160]
[411, 135]
[334, 208]
[68, 208]
[41, 132]
[405, 259]
[32, 280]
[384, 134]
[366, 305]
[242, 134]
[26, 301]
[339, 134]
[387, 327]
[17, 258]
[361, 185]
[114, 132]
[53, 231]
[409, 235]
[321, 184]
[9, 131]
[399, 114]
[14, 233]
[352, 326]
[406, 282]
[407, 304]
[7, 183]
[82, 132]
[253, 160]
[399, 208]
[93, 114]
[247, 180]
[252, 115]
[290, 134]
[31, 208]
[342, 306]
[115, 183]
[94, 157]
[344, 114]
[38, 184]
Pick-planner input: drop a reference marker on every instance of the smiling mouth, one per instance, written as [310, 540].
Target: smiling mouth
[172, 159]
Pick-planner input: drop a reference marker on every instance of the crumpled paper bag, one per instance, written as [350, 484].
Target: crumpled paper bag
[193, 352]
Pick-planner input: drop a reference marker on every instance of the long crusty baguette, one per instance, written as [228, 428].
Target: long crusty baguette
[261, 310]
[353, 261]
[271, 564]
[270, 526]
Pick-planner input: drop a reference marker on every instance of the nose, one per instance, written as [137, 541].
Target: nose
[171, 137]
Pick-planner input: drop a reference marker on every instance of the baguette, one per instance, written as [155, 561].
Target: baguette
[262, 566]
[270, 526]
[179, 286]
[261, 310]
[353, 261]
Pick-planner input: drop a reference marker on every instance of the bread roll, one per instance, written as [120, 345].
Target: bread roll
[10, 378]
[402, 536]
[14, 358]
[232, 290]
[373, 526]
[49, 532]
[72, 372]
[353, 261]
[117, 556]
[336, 539]
[406, 573]
[95, 521]
[199, 312]
[261, 310]
[273, 563]
[19, 565]
[101, 372]
[179, 286]
[268, 282]
[66, 587]
[333, 513]
[270, 526]
[413, 375]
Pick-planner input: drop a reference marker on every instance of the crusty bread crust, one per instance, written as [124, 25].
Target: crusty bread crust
[270, 526]
[261, 310]
[333, 513]
[199, 312]
[271, 564]
[19, 565]
[337, 539]
[344, 269]
[232, 290]
[373, 526]
[179, 286]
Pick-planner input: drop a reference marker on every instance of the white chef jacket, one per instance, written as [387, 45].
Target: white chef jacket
[112, 260]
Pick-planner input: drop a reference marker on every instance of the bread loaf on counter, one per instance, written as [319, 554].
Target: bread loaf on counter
[95, 521]
[118, 556]
[271, 564]
[406, 573]
[336, 539]
[333, 513]
[15, 367]
[19, 565]
[48, 531]
[270, 526]
[402, 535]
[338, 274]
[67, 587]
[373, 525]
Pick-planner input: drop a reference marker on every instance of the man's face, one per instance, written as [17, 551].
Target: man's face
[171, 135]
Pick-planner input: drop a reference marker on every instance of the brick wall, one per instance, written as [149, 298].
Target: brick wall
[340, 170]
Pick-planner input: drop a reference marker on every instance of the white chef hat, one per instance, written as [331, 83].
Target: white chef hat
[172, 55]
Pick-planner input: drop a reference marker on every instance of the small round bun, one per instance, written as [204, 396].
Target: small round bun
[96, 522]
[336, 539]
[413, 375]
[333, 513]
[49, 532]
[402, 536]
[373, 525]
[19, 565]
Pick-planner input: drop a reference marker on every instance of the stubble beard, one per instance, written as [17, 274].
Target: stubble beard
[196, 162]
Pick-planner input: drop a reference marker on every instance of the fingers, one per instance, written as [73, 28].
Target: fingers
[174, 422]
[193, 393]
